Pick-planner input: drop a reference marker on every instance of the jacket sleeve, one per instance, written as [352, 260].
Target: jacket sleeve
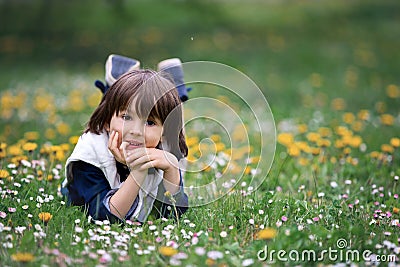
[91, 189]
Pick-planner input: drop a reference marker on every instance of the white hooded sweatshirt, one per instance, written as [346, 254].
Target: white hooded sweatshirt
[93, 149]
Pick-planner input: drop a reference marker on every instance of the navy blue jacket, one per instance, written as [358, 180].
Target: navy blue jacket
[90, 187]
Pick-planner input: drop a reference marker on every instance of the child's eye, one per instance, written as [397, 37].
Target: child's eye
[150, 123]
[126, 117]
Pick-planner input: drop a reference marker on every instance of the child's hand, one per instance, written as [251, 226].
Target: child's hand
[145, 158]
[115, 146]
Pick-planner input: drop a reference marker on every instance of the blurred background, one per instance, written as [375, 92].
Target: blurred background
[305, 55]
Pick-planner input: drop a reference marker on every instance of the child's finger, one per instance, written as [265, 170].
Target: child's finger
[148, 165]
[113, 142]
[110, 139]
[136, 160]
[122, 148]
[136, 153]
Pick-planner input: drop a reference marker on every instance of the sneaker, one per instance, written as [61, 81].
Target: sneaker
[116, 65]
[173, 67]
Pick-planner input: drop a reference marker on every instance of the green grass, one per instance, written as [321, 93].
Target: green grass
[302, 55]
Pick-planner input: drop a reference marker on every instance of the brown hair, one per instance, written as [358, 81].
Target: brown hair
[156, 97]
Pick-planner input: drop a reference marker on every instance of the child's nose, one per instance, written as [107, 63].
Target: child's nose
[136, 128]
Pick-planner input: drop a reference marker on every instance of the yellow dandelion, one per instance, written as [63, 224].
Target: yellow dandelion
[354, 162]
[4, 174]
[285, 139]
[387, 148]
[348, 159]
[347, 150]
[219, 146]
[3, 145]
[65, 147]
[355, 141]
[17, 159]
[50, 133]
[63, 128]
[45, 216]
[325, 131]
[247, 170]
[73, 139]
[57, 152]
[357, 126]
[19, 100]
[392, 91]
[6, 113]
[387, 119]
[338, 104]
[313, 137]
[266, 234]
[39, 175]
[302, 128]
[396, 210]
[293, 151]
[76, 101]
[7, 101]
[191, 141]
[339, 143]
[167, 251]
[302, 146]
[363, 115]
[191, 158]
[316, 151]
[324, 143]
[215, 137]
[395, 142]
[45, 149]
[342, 131]
[348, 117]
[228, 152]
[43, 102]
[254, 160]
[94, 99]
[3, 151]
[374, 154]
[31, 136]
[52, 118]
[380, 107]
[29, 146]
[23, 257]
[333, 160]
[303, 161]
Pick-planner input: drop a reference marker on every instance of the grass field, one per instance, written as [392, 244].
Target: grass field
[330, 73]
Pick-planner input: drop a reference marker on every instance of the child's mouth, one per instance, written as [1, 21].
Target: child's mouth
[134, 145]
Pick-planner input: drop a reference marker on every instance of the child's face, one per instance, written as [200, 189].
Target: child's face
[135, 131]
